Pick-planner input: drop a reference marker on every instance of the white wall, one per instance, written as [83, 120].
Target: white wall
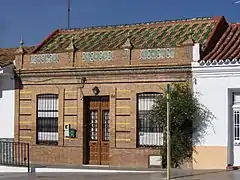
[7, 102]
[212, 83]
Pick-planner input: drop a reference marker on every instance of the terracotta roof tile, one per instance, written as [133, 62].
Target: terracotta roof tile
[228, 46]
[143, 35]
[7, 55]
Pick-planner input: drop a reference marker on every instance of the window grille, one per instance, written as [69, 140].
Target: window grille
[150, 133]
[105, 126]
[94, 125]
[236, 118]
[47, 119]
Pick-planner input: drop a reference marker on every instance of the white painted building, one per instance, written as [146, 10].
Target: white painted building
[216, 77]
[7, 85]
[7, 92]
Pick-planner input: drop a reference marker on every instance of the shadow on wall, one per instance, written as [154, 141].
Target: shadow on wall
[9, 80]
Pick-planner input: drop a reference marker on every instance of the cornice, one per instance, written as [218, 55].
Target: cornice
[103, 71]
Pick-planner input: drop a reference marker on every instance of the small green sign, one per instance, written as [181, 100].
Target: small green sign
[72, 133]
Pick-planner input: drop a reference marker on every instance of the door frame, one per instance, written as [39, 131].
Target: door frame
[86, 127]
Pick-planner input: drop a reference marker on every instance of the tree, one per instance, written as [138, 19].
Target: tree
[188, 118]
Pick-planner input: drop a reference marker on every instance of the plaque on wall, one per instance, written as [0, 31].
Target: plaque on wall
[155, 161]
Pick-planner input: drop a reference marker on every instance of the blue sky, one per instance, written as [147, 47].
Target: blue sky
[33, 20]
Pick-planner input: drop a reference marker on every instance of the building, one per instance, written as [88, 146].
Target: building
[84, 94]
[216, 79]
[7, 104]
[7, 92]
[7, 88]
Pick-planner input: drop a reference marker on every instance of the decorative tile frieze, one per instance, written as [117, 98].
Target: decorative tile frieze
[159, 53]
[219, 62]
[98, 56]
[44, 58]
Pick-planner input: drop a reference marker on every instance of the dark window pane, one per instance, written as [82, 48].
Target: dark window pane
[47, 119]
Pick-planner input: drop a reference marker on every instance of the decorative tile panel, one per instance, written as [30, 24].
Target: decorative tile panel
[159, 53]
[98, 56]
[44, 58]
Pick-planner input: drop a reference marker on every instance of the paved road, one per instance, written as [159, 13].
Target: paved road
[180, 175]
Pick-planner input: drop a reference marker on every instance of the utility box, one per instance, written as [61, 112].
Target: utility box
[72, 133]
[155, 161]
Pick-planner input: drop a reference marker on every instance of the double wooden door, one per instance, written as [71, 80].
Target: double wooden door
[98, 130]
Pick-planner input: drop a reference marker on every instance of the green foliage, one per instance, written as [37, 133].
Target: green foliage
[189, 120]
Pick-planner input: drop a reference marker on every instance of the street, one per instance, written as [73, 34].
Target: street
[178, 175]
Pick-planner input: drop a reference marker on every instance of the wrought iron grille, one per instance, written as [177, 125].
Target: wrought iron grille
[47, 119]
[150, 132]
[105, 126]
[236, 125]
[236, 118]
[94, 125]
[14, 153]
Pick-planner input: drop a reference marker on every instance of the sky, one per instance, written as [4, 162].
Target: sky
[34, 20]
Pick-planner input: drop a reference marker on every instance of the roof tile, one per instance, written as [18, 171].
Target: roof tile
[228, 46]
[7, 55]
[142, 35]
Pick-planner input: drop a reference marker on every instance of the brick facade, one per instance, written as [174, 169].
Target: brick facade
[120, 79]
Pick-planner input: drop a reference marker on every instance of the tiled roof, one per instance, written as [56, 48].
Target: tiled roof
[143, 35]
[7, 55]
[228, 46]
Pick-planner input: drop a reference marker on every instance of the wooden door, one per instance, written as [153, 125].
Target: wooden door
[98, 130]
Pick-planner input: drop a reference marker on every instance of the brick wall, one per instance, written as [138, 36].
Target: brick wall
[122, 89]
[182, 55]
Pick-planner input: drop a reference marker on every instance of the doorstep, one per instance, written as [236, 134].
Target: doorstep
[95, 168]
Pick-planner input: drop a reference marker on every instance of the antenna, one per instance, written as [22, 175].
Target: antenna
[68, 14]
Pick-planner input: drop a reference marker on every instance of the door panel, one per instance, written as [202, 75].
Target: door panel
[98, 130]
[105, 153]
[93, 143]
[94, 157]
[105, 138]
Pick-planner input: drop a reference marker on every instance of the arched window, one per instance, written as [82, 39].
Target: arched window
[149, 132]
[47, 119]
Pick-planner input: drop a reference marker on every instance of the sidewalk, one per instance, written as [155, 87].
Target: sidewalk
[176, 174]
[114, 172]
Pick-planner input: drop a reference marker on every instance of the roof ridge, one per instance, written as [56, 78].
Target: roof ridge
[235, 24]
[139, 24]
